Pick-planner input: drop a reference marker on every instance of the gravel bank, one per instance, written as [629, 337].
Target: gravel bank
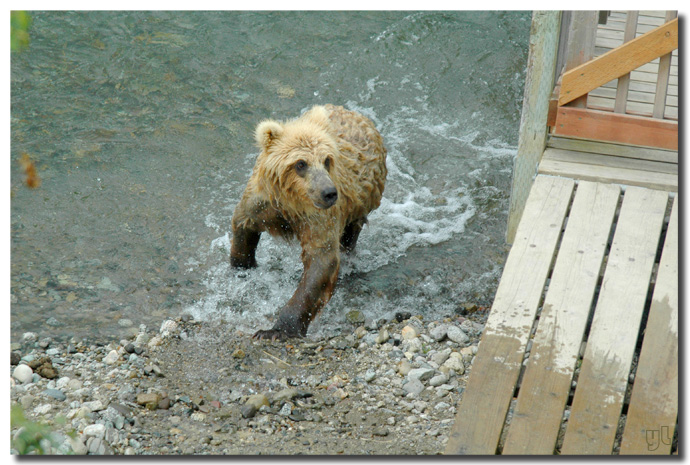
[386, 387]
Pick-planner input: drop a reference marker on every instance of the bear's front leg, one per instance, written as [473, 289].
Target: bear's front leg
[243, 248]
[314, 291]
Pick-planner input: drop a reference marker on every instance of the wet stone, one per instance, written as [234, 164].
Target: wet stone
[355, 317]
[55, 394]
[439, 333]
[457, 335]
[413, 386]
[422, 374]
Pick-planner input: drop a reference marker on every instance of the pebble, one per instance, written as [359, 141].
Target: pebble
[111, 358]
[78, 447]
[94, 405]
[360, 332]
[457, 335]
[414, 346]
[248, 410]
[413, 386]
[409, 332]
[23, 373]
[96, 431]
[441, 356]
[125, 322]
[168, 327]
[442, 406]
[97, 446]
[355, 317]
[258, 400]
[29, 338]
[383, 336]
[438, 380]
[369, 375]
[43, 409]
[422, 374]
[455, 362]
[55, 394]
[439, 333]
[286, 409]
[198, 416]
[404, 367]
[399, 386]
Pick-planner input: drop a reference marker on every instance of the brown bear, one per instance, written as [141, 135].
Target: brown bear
[316, 179]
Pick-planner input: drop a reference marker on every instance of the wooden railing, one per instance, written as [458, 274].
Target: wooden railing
[570, 115]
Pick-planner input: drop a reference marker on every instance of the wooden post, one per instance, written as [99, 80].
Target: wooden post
[662, 77]
[581, 42]
[535, 107]
[623, 86]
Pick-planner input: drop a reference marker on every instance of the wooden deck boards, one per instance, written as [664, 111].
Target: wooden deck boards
[496, 367]
[546, 384]
[612, 163]
[599, 277]
[654, 403]
[608, 358]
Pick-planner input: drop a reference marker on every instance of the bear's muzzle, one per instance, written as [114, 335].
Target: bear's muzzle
[329, 196]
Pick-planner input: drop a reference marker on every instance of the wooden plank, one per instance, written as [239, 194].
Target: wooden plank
[624, 81]
[609, 161]
[613, 127]
[547, 379]
[662, 181]
[484, 404]
[611, 343]
[642, 86]
[634, 108]
[535, 108]
[663, 78]
[654, 402]
[618, 150]
[581, 38]
[642, 97]
[582, 79]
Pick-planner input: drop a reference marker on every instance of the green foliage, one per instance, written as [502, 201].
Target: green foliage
[20, 21]
[32, 436]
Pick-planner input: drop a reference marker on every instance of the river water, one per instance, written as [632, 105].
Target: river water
[141, 125]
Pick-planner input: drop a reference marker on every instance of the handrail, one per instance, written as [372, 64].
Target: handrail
[618, 62]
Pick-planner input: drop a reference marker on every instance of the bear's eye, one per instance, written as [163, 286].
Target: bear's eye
[301, 166]
[327, 164]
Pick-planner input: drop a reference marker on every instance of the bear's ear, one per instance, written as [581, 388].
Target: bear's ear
[318, 114]
[267, 132]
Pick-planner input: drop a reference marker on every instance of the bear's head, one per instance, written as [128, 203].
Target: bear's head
[297, 162]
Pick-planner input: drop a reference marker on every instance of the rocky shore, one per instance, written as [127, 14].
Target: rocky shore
[382, 387]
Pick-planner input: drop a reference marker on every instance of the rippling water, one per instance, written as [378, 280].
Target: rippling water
[141, 127]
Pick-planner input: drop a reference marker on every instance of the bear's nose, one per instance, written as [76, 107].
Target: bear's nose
[329, 196]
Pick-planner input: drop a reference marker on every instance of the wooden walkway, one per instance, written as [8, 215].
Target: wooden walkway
[580, 351]
[610, 162]
[579, 275]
